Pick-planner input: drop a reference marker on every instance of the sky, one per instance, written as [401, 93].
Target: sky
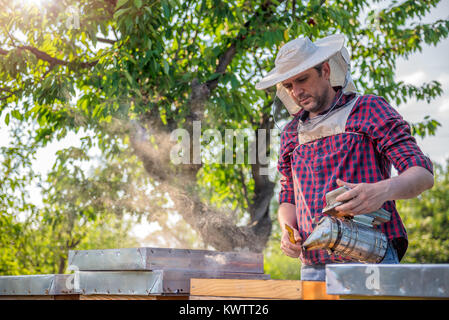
[430, 64]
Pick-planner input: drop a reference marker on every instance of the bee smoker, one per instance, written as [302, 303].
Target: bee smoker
[351, 236]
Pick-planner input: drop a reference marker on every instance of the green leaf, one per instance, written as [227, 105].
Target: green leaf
[120, 3]
[16, 114]
[166, 9]
[234, 82]
[138, 3]
[128, 77]
[120, 12]
[163, 115]
[7, 119]
[213, 76]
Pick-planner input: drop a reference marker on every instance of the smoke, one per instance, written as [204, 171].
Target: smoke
[217, 227]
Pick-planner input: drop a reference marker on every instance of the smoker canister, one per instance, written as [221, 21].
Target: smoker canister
[348, 238]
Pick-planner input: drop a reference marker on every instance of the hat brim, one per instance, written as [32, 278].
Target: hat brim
[327, 47]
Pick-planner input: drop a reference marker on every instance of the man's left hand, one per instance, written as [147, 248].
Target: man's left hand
[363, 197]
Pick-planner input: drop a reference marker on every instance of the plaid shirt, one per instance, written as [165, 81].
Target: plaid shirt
[384, 139]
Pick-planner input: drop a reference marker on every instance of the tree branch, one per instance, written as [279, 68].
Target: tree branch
[202, 92]
[106, 40]
[46, 57]
[245, 191]
[8, 90]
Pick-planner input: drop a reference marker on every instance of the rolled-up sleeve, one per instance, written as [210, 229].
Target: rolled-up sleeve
[392, 137]
[287, 193]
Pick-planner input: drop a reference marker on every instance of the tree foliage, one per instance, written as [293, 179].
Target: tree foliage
[427, 221]
[78, 210]
[130, 72]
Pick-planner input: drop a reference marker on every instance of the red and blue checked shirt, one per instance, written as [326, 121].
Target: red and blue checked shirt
[383, 139]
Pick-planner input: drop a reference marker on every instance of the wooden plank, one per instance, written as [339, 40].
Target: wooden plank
[115, 297]
[67, 297]
[27, 297]
[316, 290]
[226, 298]
[173, 297]
[132, 297]
[41, 297]
[355, 297]
[280, 289]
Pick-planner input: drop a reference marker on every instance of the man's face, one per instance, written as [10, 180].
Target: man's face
[309, 89]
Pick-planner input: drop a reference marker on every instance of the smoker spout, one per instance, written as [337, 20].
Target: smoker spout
[323, 236]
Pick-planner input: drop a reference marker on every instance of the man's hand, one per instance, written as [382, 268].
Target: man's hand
[290, 249]
[363, 197]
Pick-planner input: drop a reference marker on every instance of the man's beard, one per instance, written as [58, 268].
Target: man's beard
[318, 103]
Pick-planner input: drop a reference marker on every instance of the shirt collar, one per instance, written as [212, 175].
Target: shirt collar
[303, 114]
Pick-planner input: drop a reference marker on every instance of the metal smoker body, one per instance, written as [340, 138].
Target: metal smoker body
[353, 237]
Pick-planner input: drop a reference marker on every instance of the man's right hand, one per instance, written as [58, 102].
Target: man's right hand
[290, 249]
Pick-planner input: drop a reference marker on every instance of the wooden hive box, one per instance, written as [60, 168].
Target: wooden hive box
[134, 273]
[258, 289]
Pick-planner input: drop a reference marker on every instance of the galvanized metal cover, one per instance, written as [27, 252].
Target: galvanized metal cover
[165, 258]
[148, 282]
[108, 259]
[42, 284]
[403, 280]
[121, 282]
